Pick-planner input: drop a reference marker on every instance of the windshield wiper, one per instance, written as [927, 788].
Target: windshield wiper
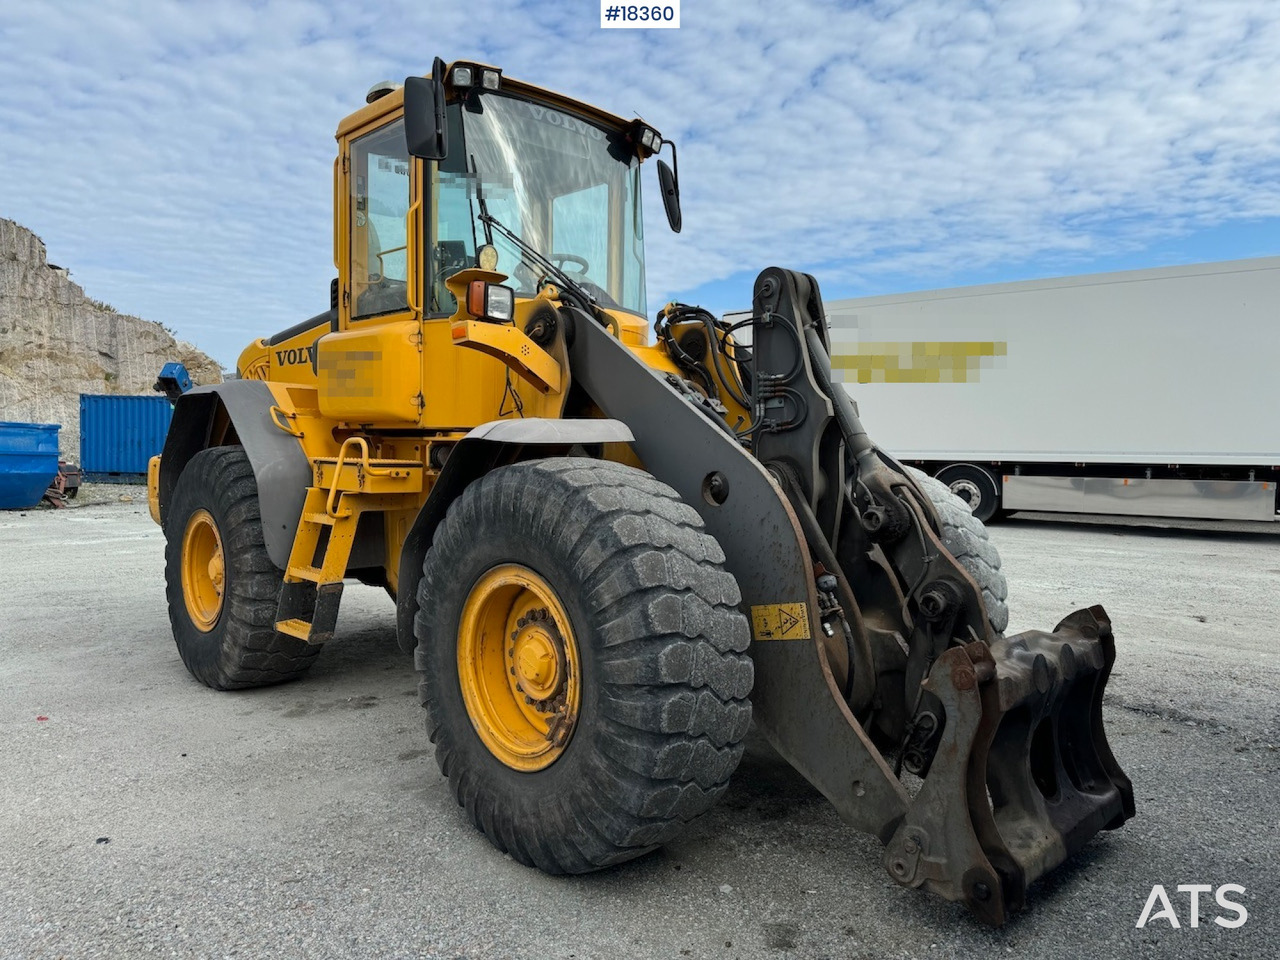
[484, 208]
[584, 299]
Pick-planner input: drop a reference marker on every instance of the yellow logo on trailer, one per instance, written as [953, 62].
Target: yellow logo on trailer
[918, 361]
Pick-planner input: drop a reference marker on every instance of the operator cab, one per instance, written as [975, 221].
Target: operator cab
[498, 176]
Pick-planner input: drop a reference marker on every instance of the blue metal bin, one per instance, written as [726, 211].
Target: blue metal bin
[119, 434]
[28, 462]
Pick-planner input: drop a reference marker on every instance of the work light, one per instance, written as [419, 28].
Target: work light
[645, 137]
[490, 301]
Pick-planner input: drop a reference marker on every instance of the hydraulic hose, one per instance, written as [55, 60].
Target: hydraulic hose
[856, 439]
[862, 665]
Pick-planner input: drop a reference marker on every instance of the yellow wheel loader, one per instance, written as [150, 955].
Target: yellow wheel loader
[610, 551]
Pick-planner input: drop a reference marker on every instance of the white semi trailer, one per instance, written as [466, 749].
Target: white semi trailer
[1146, 393]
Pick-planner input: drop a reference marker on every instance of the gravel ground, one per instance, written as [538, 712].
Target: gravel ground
[141, 813]
[93, 494]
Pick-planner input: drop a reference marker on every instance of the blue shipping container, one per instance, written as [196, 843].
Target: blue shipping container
[28, 462]
[118, 435]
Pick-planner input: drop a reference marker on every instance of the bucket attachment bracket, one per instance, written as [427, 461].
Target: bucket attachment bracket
[1023, 775]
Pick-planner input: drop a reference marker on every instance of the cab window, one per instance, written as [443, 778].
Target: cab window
[379, 205]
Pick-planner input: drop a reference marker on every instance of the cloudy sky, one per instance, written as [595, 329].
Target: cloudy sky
[177, 156]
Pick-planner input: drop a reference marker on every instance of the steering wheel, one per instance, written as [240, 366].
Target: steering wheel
[560, 259]
[526, 277]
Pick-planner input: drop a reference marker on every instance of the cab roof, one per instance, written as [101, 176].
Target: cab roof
[394, 102]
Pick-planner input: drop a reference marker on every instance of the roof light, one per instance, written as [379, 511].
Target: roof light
[489, 79]
[380, 90]
[646, 139]
[462, 76]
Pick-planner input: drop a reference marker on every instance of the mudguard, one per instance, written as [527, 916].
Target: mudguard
[281, 467]
[487, 446]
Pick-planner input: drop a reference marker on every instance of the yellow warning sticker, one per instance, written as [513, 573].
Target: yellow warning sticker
[780, 621]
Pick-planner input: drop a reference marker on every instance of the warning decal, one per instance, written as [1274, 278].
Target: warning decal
[780, 621]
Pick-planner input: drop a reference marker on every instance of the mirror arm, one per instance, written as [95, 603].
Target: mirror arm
[437, 83]
[675, 170]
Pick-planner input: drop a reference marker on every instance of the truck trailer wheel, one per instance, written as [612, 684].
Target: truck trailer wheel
[965, 537]
[221, 584]
[583, 662]
[976, 486]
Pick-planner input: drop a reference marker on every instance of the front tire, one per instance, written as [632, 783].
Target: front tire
[965, 537]
[222, 587]
[582, 662]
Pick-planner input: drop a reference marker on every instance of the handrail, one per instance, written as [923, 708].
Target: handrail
[411, 273]
[365, 465]
[282, 419]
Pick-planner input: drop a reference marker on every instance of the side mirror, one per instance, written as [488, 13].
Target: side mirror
[670, 195]
[425, 131]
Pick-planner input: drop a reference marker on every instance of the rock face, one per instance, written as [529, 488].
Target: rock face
[56, 343]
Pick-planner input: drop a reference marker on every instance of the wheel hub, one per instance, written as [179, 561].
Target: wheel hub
[217, 571]
[967, 491]
[537, 654]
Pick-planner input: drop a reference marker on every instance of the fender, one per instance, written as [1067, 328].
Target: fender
[488, 446]
[281, 467]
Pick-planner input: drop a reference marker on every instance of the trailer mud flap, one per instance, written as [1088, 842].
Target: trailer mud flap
[1023, 776]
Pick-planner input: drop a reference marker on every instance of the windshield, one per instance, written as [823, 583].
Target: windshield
[568, 188]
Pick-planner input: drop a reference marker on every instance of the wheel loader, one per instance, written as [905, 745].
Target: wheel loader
[613, 548]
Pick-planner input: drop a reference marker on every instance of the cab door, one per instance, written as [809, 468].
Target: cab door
[370, 370]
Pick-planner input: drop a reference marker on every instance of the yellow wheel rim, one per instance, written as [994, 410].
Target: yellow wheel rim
[518, 667]
[203, 570]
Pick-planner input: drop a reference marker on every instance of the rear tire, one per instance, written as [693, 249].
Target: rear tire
[966, 538]
[224, 625]
[650, 618]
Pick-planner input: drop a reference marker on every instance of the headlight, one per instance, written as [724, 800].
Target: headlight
[491, 301]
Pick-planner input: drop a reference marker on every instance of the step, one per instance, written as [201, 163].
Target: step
[307, 617]
[295, 628]
[314, 574]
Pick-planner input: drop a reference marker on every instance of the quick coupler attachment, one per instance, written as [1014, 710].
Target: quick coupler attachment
[1023, 776]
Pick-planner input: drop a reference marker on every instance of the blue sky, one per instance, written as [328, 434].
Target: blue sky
[177, 155]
